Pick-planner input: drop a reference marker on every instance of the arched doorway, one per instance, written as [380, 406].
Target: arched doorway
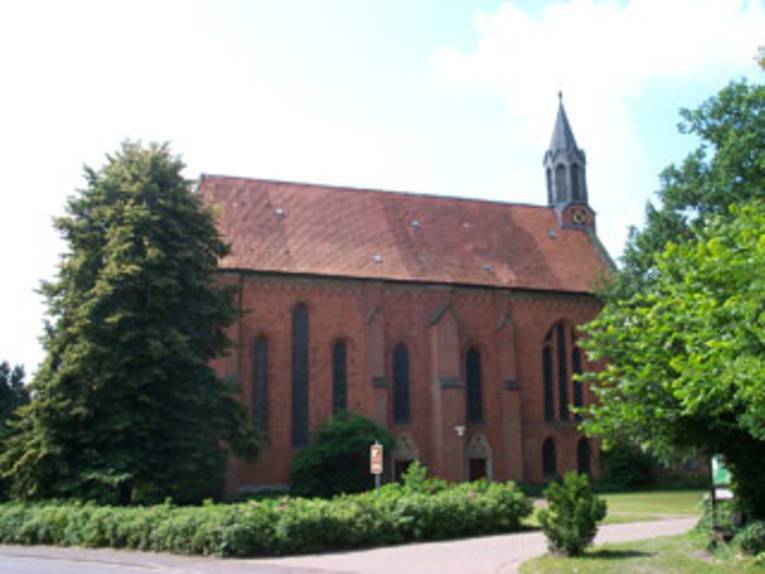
[479, 460]
[404, 454]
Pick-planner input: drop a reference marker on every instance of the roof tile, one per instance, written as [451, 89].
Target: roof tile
[335, 231]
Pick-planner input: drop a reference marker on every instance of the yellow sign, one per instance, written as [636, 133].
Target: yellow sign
[376, 459]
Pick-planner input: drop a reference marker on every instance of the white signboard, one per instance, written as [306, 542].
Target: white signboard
[376, 459]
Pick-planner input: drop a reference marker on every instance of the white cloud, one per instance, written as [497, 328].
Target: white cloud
[79, 77]
[604, 56]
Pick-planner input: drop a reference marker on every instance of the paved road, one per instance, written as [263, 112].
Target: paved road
[487, 555]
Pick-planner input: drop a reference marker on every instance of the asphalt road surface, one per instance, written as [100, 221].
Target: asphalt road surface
[50, 560]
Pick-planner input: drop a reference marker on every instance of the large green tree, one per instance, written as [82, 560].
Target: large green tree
[671, 335]
[126, 407]
[685, 358]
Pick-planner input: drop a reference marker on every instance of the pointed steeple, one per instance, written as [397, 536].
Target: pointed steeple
[563, 136]
[564, 164]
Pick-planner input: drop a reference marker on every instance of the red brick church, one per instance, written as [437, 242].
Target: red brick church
[451, 321]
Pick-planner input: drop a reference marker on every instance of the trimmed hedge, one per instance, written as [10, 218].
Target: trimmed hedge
[274, 526]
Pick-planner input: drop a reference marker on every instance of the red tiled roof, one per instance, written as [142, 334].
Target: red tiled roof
[320, 230]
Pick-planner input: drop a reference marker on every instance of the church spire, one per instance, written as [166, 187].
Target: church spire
[564, 164]
[563, 136]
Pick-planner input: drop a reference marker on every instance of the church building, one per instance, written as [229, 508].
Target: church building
[451, 321]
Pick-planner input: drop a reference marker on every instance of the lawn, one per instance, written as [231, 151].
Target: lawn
[683, 554]
[648, 505]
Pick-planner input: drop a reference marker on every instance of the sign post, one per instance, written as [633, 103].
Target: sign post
[376, 463]
[720, 490]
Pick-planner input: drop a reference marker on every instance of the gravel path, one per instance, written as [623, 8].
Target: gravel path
[487, 555]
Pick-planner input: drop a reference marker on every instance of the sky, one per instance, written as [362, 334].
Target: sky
[452, 98]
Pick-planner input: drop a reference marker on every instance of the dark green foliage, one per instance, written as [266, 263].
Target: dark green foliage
[126, 408]
[751, 538]
[13, 394]
[626, 467]
[571, 518]
[337, 458]
[274, 526]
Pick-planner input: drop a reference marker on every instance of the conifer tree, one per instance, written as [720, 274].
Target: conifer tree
[126, 407]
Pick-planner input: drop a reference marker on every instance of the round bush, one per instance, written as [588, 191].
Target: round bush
[571, 518]
[337, 459]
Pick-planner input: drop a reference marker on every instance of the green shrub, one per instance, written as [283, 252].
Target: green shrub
[725, 510]
[337, 459]
[571, 518]
[420, 509]
[415, 479]
[751, 538]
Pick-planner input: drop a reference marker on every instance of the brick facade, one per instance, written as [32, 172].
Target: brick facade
[438, 324]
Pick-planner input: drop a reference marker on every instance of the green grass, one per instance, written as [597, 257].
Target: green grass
[647, 505]
[672, 554]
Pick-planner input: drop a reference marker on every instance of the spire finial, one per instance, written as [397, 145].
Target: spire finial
[560, 96]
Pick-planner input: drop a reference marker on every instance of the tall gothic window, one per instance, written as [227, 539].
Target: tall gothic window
[549, 463]
[563, 376]
[300, 376]
[576, 365]
[474, 387]
[400, 384]
[260, 384]
[559, 363]
[583, 457]
[547, 366]
[548, 172]
[339, 377]
[576, 193]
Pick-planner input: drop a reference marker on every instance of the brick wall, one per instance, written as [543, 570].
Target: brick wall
[438, 324]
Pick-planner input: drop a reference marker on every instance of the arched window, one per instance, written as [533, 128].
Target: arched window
[549, 463]
[300, 376]
[560, 183]
[549, 186]
[547, 365]
[400, 384]
[474, 387]
[576, 365]
[339, 378]
[555, 352]
[583, 457]
[260, 384]
[563, 376]
[576, 193]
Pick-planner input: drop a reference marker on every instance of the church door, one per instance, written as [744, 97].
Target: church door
[477, 469]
